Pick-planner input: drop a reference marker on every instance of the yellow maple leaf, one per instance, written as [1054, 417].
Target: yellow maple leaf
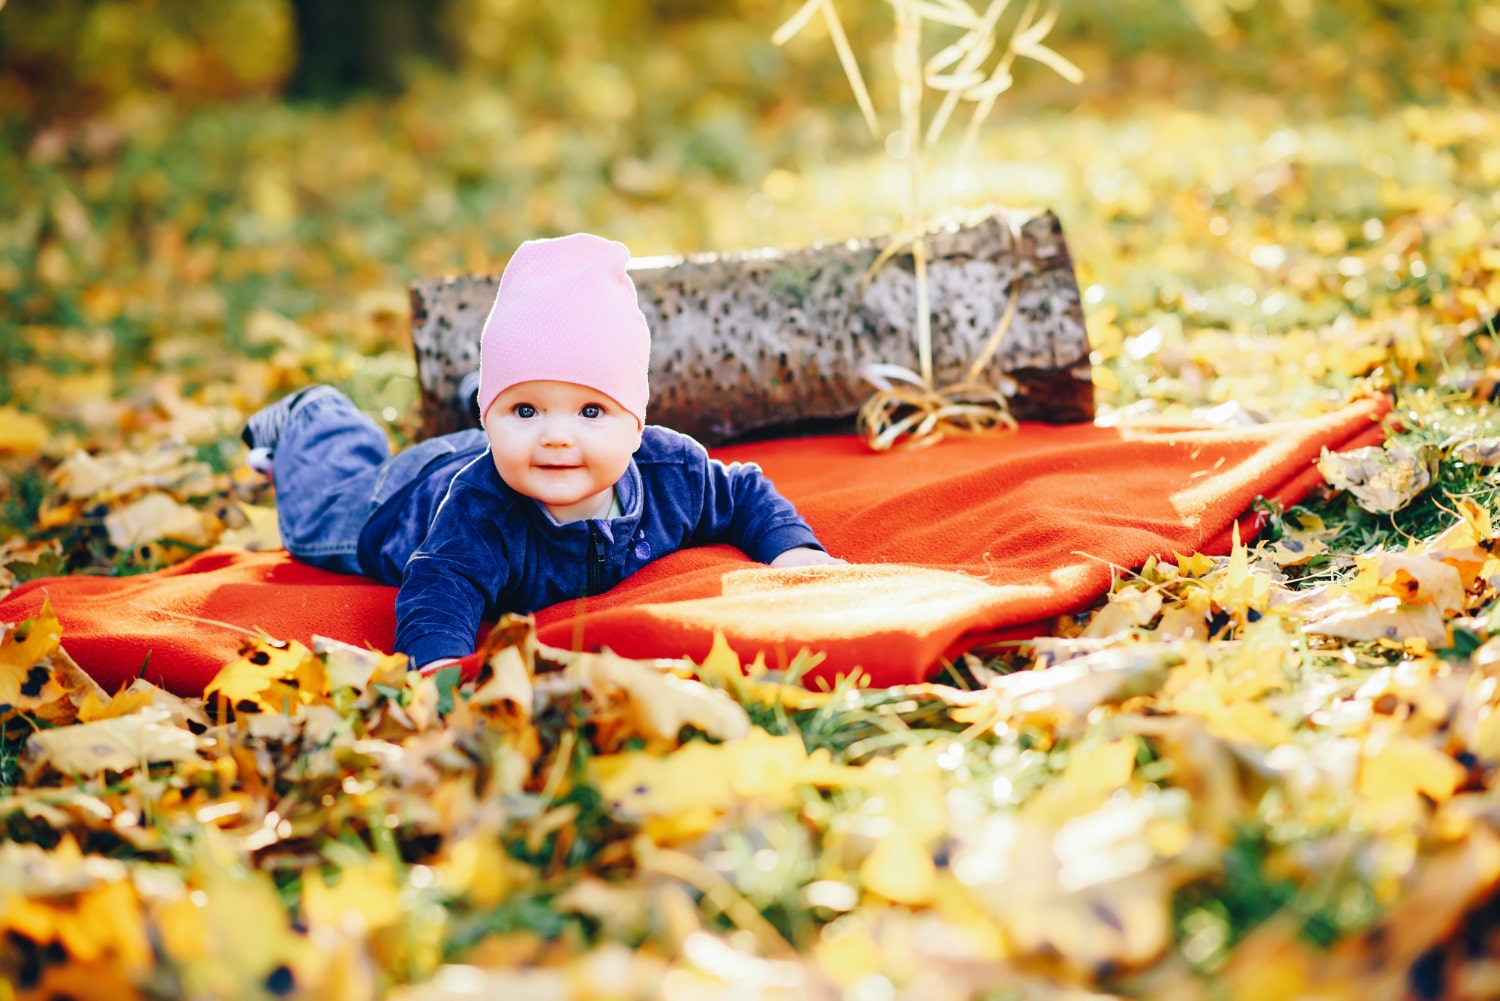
[28, 679]
[1093, 773]
[1258, 665]
[914, 813]
[1471, 529]
[1398, 767]
[1241, 588]
[477, 868]
[847, 952]
[21, 433]
[1195, 565]
[1248, 723]
[207, 935]
[122, 703]
[900, 868]
[100, 922]
[1192, 673]
[721, 667]
[365, 893]
[1272, 963]
[708, 778]
[1411, 578]
[269, 676]
[1242, 722]
[106, 921]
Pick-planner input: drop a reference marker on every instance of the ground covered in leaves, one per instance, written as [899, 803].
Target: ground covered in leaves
[1264, 775]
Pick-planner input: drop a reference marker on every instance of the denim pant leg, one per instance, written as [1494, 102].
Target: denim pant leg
[408, 491]
[326, 466]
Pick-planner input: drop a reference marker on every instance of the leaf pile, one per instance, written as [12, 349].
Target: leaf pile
[1221, 785]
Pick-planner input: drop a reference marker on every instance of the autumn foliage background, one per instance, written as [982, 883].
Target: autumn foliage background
[1272, 205]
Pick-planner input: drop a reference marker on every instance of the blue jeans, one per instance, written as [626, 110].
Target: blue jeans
[333, 469]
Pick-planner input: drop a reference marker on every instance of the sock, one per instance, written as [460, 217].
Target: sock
[263, 429]
[259, 459]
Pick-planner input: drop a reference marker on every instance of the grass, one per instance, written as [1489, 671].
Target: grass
[12, 743]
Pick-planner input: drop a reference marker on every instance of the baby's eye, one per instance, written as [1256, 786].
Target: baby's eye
[525, 411]
[592, 411]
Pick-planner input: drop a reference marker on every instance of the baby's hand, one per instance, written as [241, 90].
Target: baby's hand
[805, 556]
[432, 667]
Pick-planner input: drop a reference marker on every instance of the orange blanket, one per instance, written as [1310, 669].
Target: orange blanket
[969, 541]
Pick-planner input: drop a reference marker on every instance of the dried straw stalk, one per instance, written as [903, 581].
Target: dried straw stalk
[915, 411]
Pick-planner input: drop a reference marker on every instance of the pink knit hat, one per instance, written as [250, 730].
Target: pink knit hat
[567, 311]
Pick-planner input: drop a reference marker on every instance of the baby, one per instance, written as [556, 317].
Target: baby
[563, 493]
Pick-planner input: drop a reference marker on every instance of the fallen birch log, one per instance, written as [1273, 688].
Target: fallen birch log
[771, 338]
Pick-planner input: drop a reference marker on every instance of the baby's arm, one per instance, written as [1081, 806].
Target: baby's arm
[742, 507]
[450, 582]
[438, 610]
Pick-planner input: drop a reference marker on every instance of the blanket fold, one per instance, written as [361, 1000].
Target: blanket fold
[972, 540]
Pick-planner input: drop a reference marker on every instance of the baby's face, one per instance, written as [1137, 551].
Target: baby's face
[563, 444]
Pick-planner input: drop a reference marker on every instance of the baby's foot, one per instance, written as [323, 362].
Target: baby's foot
[263, 429]
[259, 459]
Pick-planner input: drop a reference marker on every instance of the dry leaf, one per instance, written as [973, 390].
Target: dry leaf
[1127, 608]
[508, 689]
[1382, 479]
[1091, 896]
[659, 703]
[119, 744]
[356, 667]
[1072, 688]
[157, 516]
[261, 532]
[1477, 451]
[1385, 618]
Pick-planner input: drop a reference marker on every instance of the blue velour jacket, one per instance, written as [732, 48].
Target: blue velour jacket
[492, 550]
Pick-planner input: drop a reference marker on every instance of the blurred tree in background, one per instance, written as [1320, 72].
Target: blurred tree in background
[346, 46]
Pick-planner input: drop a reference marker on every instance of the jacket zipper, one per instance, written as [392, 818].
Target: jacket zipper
[598, 558]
